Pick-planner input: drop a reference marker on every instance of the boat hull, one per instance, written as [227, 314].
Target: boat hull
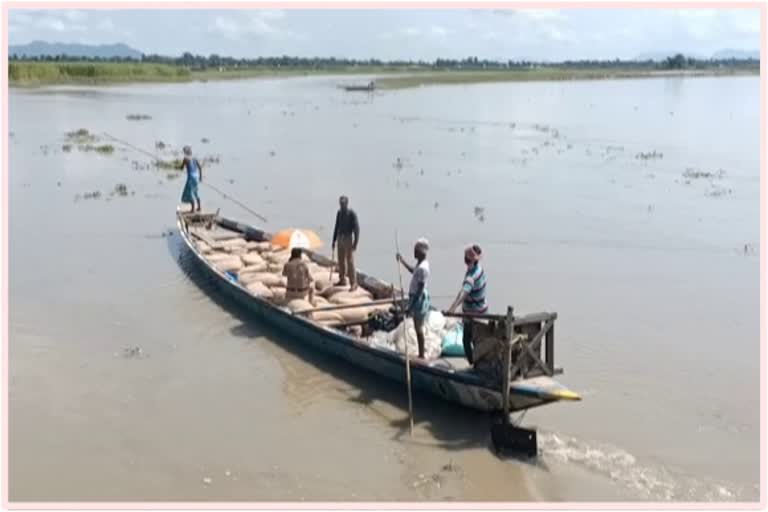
[461, 387]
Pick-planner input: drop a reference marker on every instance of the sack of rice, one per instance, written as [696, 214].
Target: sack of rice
[347, 294]
[323, 281]
[236, 250]
[327, 317]
[253, 258]
[203, 247]
[264, 278]
[233, 242]
[354, 314]
[233, 263]
[217, 256]
[320, 302]
[298, 305]
[344, 299]
[275, 268]
[259, 290]
[278, 293]
[250, 269]
[277, 257]
[332, 290]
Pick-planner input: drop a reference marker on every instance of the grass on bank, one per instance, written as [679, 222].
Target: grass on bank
[47, 73]
[32, 73]
[539, 74]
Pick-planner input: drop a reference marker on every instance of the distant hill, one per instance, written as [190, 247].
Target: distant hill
[44, 49]
[718, 55]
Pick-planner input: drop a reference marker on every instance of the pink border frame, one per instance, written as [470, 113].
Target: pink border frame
[761, 6]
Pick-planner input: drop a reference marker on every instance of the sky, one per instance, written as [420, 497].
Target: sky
[535, 34]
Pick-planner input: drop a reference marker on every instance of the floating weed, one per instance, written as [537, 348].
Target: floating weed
[651, 155]
[692, 173]
[81, 136]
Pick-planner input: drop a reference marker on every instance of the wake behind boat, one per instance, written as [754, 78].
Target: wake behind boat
[514, 356]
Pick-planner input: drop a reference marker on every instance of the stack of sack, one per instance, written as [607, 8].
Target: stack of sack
[259, 268]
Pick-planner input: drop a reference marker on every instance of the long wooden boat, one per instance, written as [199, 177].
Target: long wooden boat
[360, 88]
[531, 381]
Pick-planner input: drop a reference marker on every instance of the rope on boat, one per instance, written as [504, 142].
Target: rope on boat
[215, 189]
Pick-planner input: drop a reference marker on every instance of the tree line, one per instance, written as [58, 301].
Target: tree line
[201, 62]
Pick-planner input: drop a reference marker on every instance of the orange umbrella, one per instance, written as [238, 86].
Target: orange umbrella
[302, 238]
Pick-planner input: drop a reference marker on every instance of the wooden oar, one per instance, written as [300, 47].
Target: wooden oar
[407, 357]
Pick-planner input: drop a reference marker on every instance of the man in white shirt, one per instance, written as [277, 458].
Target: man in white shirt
[418, 297]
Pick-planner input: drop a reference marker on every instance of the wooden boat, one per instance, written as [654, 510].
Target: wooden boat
[529, 376]
[360, 88]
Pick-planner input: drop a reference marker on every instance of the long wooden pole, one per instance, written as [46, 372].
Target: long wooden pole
[330, 268]
[405, 338]
[205, 183]
[336, 307]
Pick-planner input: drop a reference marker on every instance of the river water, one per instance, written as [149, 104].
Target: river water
[630, 207]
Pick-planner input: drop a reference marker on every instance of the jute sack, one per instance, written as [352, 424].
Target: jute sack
[217, 256]
[203, 247]
[259, 290]
[327, 317]
[253, 258]
[264, 278]
[233, 263]
[260, 246]
[298, 305]
[323, 281]
[259, 267]
[278, 293]
[233, 242]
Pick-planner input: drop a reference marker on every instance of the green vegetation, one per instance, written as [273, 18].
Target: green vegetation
[171, 165]
[23, 73]
[540, 74]
[394, 75]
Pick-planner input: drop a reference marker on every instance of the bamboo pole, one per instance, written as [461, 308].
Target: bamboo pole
[407, 356]
[336, 307]
[509, 332]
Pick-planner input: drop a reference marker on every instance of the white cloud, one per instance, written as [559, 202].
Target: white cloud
[106, 25]
[271, 14]
[439, 31]
[58, 25]
[19, 17]
[411, 31]
[253, 25]
[74, 15]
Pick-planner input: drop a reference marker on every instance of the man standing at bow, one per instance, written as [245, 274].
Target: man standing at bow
[347, 232]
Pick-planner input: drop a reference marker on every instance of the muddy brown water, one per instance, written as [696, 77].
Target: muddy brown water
[656, 293]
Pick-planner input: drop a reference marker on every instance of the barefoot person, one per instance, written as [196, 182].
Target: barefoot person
[472, 295]
[347, 232]
[418, 297]
[194, 177]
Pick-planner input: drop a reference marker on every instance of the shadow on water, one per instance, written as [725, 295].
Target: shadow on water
[451, 427]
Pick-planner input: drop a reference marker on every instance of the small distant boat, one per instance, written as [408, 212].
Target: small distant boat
[360, 88]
